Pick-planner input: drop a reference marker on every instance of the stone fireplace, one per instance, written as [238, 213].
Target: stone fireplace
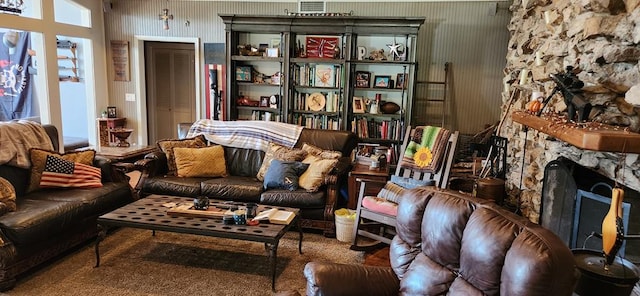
[599, 38]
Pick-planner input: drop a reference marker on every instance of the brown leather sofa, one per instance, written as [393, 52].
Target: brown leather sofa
[49, 222]
[449, 243]
[241, 184]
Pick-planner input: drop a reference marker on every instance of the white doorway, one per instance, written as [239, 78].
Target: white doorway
[153, 122]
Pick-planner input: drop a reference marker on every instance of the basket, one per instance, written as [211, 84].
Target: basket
[345, 220]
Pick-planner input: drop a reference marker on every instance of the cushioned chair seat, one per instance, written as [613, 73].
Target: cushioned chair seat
[298, 198]
[171, 185]
[380, 205]
[39, 218]
[233, 188]
[94, 200]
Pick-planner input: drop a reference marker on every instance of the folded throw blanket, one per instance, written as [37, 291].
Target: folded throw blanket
[247, 134]
[17, 137]
[425, 150]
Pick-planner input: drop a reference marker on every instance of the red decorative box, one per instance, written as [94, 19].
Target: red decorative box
[323, 47]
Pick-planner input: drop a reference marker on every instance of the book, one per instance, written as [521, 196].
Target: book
[275, 216]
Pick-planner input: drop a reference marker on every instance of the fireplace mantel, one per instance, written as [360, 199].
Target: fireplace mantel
[590, 136]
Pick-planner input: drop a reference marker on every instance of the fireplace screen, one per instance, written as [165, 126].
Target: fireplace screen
[558, 195]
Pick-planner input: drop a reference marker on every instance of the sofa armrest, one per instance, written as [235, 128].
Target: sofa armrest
[108, 171]
[349, 279]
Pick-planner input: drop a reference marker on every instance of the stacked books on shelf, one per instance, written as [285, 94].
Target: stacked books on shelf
[318, 75]
[384, 129]
[317, 121]
[266, 116]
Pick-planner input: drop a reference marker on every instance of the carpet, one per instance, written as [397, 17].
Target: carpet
[133, 262]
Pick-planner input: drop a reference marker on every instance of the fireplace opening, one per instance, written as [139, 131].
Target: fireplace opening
[574, 202]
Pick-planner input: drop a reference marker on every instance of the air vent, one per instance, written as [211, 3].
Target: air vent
[311, 6]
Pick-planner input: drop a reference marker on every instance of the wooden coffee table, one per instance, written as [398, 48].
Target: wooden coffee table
[149, 213]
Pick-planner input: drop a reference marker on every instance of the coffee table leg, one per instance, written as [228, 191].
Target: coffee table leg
[273, 260]
[300, 238]
[102, 232]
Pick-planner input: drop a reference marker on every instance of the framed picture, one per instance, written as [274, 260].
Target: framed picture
[322, 47]
[358, 105]
[382, 81]
[243, 73]
[111, 112]
[363, 79]
[264, 101]
[400, 81]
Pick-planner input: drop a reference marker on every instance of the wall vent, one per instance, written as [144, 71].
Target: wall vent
[312, 7]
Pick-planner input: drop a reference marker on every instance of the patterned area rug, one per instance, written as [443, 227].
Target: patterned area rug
[133, 262]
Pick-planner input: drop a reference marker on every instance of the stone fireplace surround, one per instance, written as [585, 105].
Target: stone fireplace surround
[600, 39]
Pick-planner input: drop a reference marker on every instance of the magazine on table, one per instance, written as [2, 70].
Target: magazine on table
[276, 216]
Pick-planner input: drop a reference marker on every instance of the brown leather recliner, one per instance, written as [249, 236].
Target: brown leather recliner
[454, 244]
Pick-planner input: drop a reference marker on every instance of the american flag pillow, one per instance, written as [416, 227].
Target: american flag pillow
[63, 173]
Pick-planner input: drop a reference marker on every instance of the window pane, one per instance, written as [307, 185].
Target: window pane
[17, 94]
[30, 9]
[69, 12]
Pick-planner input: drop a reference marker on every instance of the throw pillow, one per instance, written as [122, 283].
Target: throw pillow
[63, 173]
[200, 162]
[391, 192]
[39, 157]
[410, 183]
[167, 147]
[314, 176]
[284, 174]
[281, 153]
[319, 152]
[7, 197]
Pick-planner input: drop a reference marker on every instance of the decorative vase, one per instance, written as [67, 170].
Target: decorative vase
[201, 203]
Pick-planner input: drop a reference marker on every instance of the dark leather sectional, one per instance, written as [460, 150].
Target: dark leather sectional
[50, 222]
[449, 243]
[241, 185]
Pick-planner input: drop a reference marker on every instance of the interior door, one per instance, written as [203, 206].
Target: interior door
[170, 87]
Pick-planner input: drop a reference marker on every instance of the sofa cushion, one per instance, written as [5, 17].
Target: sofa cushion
[173, 185]
[296, 199]
[167, 146]
[315, 175]
[39, 219]
[7, 196]
[281, 153]
[233, 188]
[95, 201]
[200, 162]
[284, 174]
[18, 177]
[39, 158]
[243, 162]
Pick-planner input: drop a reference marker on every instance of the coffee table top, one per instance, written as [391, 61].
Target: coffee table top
[149, 213]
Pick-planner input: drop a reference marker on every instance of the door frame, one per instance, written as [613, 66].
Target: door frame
[141, 82]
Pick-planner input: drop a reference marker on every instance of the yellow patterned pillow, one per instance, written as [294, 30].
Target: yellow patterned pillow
[319, 152]
[314, 176]
[7, 197]
[39, 158]
[200, 162]
[167, 147]
[279, 152]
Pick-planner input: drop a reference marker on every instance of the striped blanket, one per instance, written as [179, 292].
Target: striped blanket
[425, 151]
[247, 134]
[17, 137]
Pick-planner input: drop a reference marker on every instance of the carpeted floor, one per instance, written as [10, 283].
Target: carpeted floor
[133, 262]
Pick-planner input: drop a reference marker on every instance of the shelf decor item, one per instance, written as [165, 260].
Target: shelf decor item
[316, 101]
[358, 105]
[322, 47]
[243, 73]
[383, 81]
[111, 112]
[362, 79]
[401, 81]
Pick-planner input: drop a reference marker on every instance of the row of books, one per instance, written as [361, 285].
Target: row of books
[318, 75]
[260, 115]
[317, 121]
[385, 129]
[332, 102]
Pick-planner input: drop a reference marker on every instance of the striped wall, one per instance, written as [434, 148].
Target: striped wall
[472, 36]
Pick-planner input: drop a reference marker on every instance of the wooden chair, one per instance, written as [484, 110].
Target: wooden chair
[375, 215]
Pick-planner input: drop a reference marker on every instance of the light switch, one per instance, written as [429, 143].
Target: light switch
[130, 97]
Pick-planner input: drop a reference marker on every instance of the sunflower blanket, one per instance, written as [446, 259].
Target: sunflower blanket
[426, 149]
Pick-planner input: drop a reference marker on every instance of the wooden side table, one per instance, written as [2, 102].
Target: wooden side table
[105, 125]
[363, 171]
